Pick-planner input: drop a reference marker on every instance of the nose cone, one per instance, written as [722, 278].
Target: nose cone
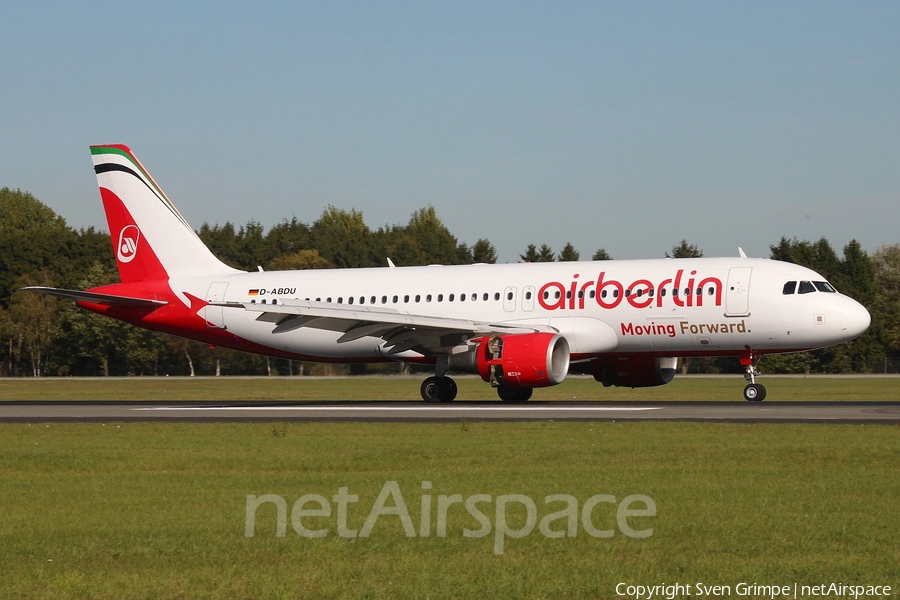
[855, 319]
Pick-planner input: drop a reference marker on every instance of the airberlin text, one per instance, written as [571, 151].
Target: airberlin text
[683, 328]
[682, 290]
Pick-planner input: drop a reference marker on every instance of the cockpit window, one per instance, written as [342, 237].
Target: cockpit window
[789, 288]
[806, 287]
[824, 286]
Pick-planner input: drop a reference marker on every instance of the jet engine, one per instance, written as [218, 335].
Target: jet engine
[522, 360]
[643, 371]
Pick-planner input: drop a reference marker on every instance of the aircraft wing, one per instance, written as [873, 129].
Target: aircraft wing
[95, 298]
[401, 331]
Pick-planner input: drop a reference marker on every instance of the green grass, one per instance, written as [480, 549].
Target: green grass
[407, 388]
[157, 510]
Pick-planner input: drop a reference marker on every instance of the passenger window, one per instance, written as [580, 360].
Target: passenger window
[451, 297]
[384, 299]
[496, 296]
[806, 288]
[350, 300]
[485, 297]
[789, 288]
[528, 295]
[406, 298]
[440, 297]
[462, 297]
[824, 286]
[428, 298]
[418, 297]
[395, 299]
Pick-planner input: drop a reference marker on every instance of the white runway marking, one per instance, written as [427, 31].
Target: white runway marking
[402, 408]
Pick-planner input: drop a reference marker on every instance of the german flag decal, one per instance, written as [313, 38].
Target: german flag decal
[253, 292]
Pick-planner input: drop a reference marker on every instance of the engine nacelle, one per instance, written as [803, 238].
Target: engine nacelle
[634, 371]
[522, 360]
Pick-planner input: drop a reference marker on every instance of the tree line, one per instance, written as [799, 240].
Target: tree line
[42, 335]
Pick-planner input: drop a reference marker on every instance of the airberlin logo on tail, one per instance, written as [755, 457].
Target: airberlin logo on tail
[679, 290]
[128, 243]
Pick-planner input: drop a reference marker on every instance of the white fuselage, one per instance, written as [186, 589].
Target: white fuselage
[666, 307]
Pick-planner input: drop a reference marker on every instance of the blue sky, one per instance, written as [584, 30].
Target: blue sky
[626, 126]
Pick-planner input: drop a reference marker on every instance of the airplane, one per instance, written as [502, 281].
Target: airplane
[518, 326]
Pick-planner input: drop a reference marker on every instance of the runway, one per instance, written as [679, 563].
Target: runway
[740, 412]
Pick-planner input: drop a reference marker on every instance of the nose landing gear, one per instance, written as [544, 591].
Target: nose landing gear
[753, 392]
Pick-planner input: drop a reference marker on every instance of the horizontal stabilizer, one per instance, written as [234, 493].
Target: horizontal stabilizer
[108, 299]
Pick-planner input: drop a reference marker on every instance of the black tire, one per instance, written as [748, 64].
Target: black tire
[513, 394]
[754, 392]
[448, 389]
[431, 390]
[438, 389]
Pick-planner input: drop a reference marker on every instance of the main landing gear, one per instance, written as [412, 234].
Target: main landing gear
[443, 389]
[753, 392]
[438, 389]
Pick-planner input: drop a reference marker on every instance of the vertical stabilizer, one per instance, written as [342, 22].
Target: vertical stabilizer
[151, 239]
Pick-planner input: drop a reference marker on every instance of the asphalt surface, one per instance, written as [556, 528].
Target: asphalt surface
[736, 411]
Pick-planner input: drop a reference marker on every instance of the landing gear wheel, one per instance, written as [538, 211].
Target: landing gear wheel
[438, 389]
[514, 394]
[448, 389]
[754, 392]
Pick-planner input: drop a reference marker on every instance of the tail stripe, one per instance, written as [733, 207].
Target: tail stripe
[141, 174]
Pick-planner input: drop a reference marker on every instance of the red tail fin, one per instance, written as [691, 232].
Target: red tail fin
[136, 260]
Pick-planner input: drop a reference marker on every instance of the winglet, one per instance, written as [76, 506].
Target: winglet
[741, 252]
[391, 263]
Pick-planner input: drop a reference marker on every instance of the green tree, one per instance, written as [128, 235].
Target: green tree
[89, 343]
[685, 250]
[601, 254]
[886, 307]
[344, 239]
[34, 320]
[301, 259]
[435, 242]
[483, 252]
[569, 253]
[534, 254]
[288, 237]
[32, 238]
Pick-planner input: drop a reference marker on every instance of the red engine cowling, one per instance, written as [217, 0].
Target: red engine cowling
[634, 371]
[521, 360]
